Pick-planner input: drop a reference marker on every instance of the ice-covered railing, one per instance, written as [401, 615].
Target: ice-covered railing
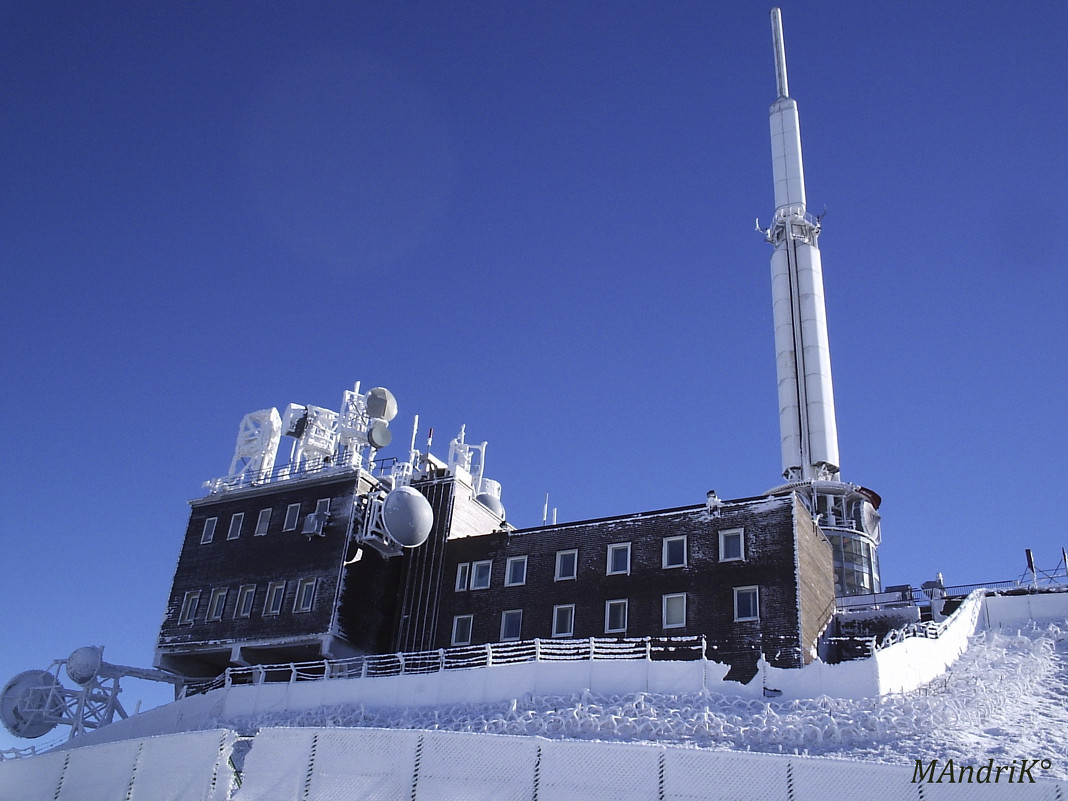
[906, 595]
[926, 629]
[305, 468]
[462, 658]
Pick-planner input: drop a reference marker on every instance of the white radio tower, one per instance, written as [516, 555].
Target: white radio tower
[847, 513]
[803, 358]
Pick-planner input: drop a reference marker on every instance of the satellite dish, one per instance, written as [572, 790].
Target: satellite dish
[379, 436]
[381, 404]
[491, 502]
[407, 516]
[27, 707]
[84, 664]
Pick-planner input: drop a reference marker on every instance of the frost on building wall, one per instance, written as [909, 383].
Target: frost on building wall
[276, 573]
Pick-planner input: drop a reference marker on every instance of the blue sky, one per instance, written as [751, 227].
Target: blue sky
[535, 219]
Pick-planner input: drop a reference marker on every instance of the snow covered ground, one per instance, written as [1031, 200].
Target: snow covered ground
[1006, 698]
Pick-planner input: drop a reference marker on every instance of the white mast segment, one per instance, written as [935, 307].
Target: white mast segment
[803, 362]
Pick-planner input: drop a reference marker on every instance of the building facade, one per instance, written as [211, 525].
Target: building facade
[281, 571]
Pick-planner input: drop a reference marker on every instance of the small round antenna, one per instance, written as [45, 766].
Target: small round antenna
[84, 664]
[379, 436]
[28, 707]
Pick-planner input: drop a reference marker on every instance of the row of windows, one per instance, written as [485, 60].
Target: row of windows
[245, 601]
[313, 523]
[476, 575]
[673, 615]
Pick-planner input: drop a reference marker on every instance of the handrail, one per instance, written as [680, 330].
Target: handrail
[927, 629]
[291, 471]
[911, 596]
[461, 658]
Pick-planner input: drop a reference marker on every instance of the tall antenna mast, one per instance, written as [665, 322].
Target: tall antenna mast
[847, 514]
[806, 396]
[780, 53]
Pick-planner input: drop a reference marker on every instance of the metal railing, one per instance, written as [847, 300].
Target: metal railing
[914, 596]
[863, 647]
[461, 658]
[290, 471]
[958, 590]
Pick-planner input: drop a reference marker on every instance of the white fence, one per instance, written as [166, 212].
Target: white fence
[491, 654]
[193, 766]
[315, 764]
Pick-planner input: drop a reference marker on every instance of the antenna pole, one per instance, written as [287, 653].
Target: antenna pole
[809, 434]
[780, 53]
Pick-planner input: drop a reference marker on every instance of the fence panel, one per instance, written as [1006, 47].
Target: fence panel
[277, 767]
[368, 764]
[819, 779]
[33, 778]
[598, 771]
[192, 766]
[99, 772]
[691, 774]
[476, 767]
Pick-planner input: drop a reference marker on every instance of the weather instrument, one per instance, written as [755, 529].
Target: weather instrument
[35, 701]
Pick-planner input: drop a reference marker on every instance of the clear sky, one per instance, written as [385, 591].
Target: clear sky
[533, 218]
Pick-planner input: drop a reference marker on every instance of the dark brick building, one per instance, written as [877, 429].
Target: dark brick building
[733, 576]
[276, 573]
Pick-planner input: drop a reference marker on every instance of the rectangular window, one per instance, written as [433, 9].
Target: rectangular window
[746, 603]
[246, 596]
[209, 530]
[564, 620]
[292, 513]
[305, 595]
[615, 616]
[235, 526]
[619, 558]
[732, 545]
[276, 592]
[675, 551]
[189, 606]
[461, 629]
[463, 571]
[480, 575]
[511, 625]
[262, 522]
[566, 565]
[313, 523]
[675, 610]
[216, 604]
[515, 572]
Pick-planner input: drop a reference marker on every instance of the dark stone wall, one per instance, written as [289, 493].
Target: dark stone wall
[277, 556]
[409, 602]
[708, 583]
